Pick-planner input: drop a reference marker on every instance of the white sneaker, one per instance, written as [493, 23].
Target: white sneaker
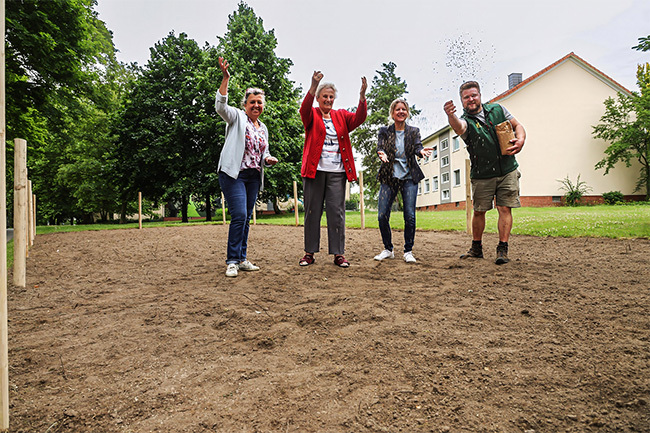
[386, 254]
[248, 266]
[408, 257]
[231, 270]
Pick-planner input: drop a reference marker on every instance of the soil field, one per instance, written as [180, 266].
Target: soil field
[140, 331]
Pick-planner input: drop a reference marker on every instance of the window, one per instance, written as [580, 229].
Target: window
[434, 154]
[445, 194]
[419, 188]
[444, 144]
[444, 162]
[435, 183]
[445, 177]
[455, 143]
[457, 177]
[426, 186]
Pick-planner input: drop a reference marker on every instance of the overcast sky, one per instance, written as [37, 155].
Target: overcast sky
[436, 45]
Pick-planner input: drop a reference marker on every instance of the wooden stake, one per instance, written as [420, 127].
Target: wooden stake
[468, 198]
[140, 210]
[20, 215]
[361, 202]
[33, 218]
[223, 208]
[30, 217]
[295, 200]
[4, 335]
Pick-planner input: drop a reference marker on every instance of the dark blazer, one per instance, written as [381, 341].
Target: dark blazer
[412, 147]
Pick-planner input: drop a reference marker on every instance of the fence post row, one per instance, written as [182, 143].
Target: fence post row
[20, 211]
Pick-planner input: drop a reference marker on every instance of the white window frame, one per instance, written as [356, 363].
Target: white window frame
[457, 179]
[434, 154]
[444, 161]
[427, 187]
[455, 144]
[446, 195]
[420, 188]
[444, 144]
[436, 183]
[445, 177]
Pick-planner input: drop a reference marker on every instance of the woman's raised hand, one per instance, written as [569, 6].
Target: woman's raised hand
[223, 65]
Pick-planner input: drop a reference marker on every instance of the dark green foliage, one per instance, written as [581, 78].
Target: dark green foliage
[644, 44]
[626, 126]
[613, 197]
[573, 191]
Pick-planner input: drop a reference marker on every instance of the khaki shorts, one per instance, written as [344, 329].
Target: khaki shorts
[504, 188]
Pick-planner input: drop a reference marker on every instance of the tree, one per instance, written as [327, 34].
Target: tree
[161, 151]
[250, 50]
[644, 44]
[626, 125]
[386, 87]
[57, 54]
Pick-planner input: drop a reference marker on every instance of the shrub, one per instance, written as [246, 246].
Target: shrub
[574, 192]
[613, 197]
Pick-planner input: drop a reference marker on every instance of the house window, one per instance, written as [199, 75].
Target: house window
[435, 183]
[445, 177]
[455, 143]
[444, 144]
[426, 186]
[457, 177]
[434, 154]
[444, 162]
[445, 194]
[419, 188]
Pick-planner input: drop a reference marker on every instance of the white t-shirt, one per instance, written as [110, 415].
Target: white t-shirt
[330, 157]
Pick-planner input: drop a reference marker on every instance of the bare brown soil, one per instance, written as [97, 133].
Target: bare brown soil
[140, 331]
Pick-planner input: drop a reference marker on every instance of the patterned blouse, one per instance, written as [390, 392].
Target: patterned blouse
[255, 147]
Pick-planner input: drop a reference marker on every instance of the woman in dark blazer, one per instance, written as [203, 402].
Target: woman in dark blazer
[397, 147]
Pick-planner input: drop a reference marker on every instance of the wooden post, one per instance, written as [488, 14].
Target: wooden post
[223, 208]
[20, 211]
[295, 200]
[30, 222]
[33, 218]
[4, 334]
[362, 206]
[140, 210]
[468, 198]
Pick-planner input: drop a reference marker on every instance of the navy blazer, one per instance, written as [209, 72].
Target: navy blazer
[412, 148]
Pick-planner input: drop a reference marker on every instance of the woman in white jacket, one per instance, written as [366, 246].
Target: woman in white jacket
[241, 166]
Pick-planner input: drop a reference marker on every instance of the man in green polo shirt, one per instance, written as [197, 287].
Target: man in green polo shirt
[494, 174]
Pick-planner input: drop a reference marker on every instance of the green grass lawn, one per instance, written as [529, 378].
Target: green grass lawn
[629, 221]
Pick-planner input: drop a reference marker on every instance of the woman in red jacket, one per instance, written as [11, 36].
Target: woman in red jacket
[327, 162]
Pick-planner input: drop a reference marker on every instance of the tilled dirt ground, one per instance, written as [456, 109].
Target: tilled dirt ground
[140, 331]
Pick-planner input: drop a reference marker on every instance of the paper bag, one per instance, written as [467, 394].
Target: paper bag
[505, 134]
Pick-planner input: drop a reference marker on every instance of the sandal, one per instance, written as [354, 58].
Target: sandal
[307, 260]
[340, 261]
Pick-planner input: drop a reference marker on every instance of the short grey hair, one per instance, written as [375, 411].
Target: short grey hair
[324, 86]
[393, 105]
[252, 91]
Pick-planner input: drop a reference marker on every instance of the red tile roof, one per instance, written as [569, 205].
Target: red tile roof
[545, 70]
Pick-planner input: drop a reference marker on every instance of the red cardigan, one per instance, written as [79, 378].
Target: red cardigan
[344, 122]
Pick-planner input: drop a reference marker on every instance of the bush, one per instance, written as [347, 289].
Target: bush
[574, 192]
[613, 197]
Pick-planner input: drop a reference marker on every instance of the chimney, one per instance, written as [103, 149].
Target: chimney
[514, 79]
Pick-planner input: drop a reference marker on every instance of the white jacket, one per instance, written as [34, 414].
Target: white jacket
[232, 153]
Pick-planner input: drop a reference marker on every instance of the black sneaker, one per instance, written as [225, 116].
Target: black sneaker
[475, 251]
[502, 255]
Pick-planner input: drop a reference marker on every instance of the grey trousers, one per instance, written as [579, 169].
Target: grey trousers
[328, 188]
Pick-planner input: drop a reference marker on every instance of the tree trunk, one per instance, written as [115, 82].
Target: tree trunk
[123, 213]
[276, 208]
[184, 204]
[208, 207]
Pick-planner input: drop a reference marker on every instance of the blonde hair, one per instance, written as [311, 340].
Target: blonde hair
[324, 86]
[393, 105]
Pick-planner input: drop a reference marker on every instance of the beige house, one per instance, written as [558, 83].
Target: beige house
[558, 107]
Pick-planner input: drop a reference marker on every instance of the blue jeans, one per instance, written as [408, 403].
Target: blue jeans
[387, 194]
[241, 195]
